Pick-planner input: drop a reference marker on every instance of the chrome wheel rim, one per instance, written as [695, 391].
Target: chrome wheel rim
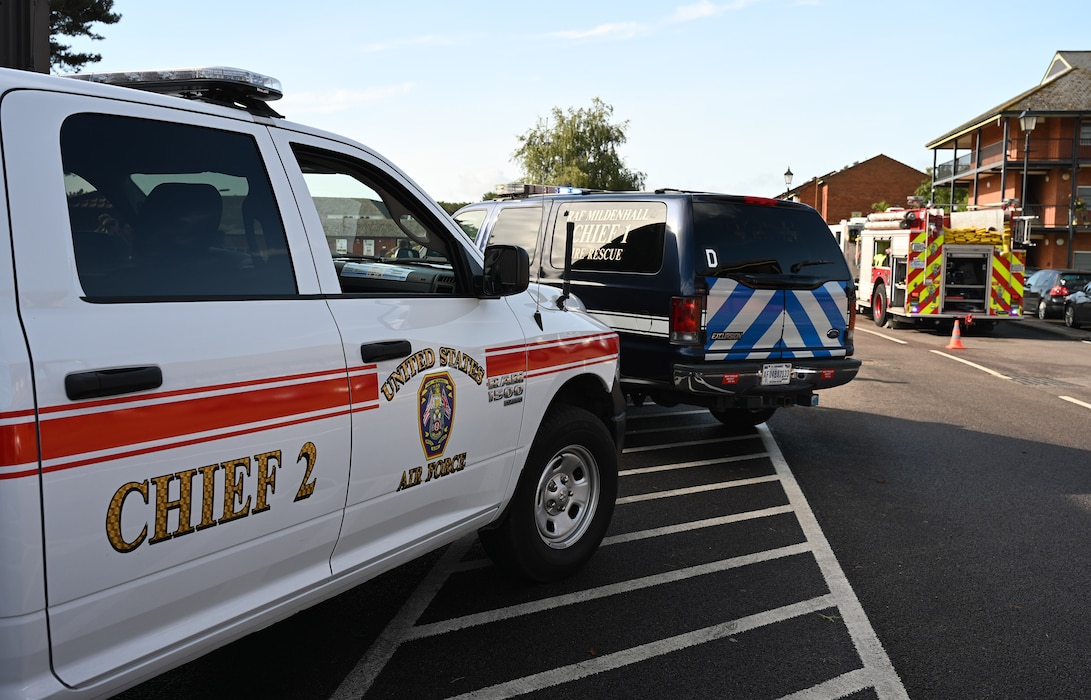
[567, 497]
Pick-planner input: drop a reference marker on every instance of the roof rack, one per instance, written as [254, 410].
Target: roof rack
[231, 87]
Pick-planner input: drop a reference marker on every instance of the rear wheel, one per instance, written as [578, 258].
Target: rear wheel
[1070, 317]
[741, 417]
[563, 503]
[1043, 312]
[879, 310]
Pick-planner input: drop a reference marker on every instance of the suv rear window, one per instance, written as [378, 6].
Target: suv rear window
[736, 237]
[611, 236]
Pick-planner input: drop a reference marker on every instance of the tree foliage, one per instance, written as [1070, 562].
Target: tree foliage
[578, 148]
[73, 18]
[941, 197]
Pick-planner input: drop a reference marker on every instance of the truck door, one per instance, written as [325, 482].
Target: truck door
[438, 373]
[191, 388]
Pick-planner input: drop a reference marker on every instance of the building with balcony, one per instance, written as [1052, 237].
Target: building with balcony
[852, 190]
[1032, 154]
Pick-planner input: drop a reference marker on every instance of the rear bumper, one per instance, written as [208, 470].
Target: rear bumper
[740, 383]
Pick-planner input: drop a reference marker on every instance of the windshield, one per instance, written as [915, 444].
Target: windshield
[736, 238]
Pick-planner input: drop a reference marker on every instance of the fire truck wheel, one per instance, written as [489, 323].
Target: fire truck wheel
[565, 498]
[879, 306]
[741, 417]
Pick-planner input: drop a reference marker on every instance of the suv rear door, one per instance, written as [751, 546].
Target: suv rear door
[185, 374]
[777, 284]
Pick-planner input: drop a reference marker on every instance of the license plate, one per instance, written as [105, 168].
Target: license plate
[780, 373]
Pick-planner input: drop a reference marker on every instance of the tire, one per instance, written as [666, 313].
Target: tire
[1070, 317]
[1043, 312]
[879, 308]
[540, 537]
[741, 417]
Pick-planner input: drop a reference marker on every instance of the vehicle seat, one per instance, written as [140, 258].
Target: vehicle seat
[178, 219]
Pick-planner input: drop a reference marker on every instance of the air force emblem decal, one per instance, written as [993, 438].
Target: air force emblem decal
[437, 413]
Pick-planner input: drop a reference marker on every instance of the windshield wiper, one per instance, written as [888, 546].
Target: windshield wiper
[769, 267]
[796, 267]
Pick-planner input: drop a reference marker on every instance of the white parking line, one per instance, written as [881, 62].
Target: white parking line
[655, 495]
[651, 650]
[688, 443]
[876, 662]
[899, 341]
[1075, 401]
[972, 364]
[561, 601]
[877, 672]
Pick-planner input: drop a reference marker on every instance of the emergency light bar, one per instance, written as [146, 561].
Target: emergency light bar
[517, 188]
[216, 84]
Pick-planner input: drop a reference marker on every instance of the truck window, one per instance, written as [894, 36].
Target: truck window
[161, 210]
[612, 236]
[733, 236]
[379, 238]
[518, 226]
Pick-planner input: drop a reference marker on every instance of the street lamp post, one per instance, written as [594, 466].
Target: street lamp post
[1027, 122]
[788, 182]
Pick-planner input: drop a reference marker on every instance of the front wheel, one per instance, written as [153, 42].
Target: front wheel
[879, 310]
[564, 501]
[741, 417]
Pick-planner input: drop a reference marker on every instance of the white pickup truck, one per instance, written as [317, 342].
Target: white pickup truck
[247, 365]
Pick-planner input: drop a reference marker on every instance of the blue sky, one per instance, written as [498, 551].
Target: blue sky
[718, 96]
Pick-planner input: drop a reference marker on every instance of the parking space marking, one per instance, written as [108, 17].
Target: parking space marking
[562, 601]
[651, 650]
[696, 525]
[656, 495]
[1075, 401]
[688, 443]
[899, 341]
[695, 463]
[876, 662]
[972, 364]
[877, 673]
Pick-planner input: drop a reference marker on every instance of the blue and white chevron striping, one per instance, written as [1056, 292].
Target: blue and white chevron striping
[745, 323]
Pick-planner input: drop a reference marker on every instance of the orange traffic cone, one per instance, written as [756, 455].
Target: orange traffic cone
[956, 338]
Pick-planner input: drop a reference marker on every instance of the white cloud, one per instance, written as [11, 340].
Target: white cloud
[427, 40]
[336, 101]
[616, 30]
[707, 8]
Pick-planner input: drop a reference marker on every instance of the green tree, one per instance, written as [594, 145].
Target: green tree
[73, 18]
[578, 149]
[942, 195]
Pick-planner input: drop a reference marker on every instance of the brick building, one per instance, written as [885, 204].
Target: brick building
[1032, 152]
[852, 190]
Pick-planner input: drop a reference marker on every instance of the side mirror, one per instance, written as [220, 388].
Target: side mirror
[507, 271]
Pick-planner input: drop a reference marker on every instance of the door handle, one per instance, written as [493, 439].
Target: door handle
[111, 382]
[385, 350]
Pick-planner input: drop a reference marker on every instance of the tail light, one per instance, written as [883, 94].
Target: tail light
[1059, 291]
[687, 320]
[850, 332]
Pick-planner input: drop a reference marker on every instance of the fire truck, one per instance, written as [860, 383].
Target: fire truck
[928, 266]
